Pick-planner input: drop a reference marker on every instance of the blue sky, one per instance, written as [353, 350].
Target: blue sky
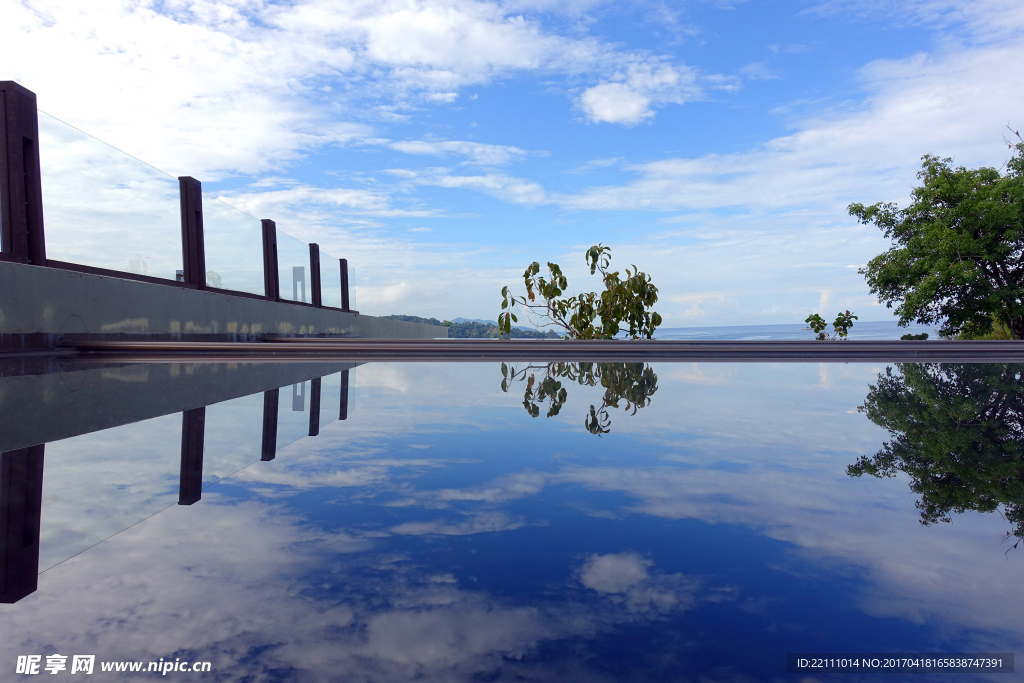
[442, 146]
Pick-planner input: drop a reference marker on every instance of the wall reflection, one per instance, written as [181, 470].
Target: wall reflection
[957, 431]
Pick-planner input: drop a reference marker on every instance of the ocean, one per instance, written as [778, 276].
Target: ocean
[882, 329]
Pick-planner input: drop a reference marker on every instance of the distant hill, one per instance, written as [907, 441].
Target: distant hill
[475, 320]
[462, 328]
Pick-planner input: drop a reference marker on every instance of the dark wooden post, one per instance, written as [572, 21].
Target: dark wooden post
[21, 187]
[314, 273]
[271, 400]
[193, 250]
[314, 407]
[344, 284]
[193, 432]
[343, 412]
[271, 276]
[21, 500]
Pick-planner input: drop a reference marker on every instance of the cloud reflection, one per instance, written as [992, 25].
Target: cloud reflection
[259, 591]
[267, 581]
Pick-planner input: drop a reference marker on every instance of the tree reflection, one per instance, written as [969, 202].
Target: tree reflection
[957, 431]
[629, 383]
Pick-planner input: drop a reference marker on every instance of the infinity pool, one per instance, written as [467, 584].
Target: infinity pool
[579, 522]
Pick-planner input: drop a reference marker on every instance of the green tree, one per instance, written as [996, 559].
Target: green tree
[958, 257]
[631, 383]
[958, 431]
[841, 325]
[623, 302]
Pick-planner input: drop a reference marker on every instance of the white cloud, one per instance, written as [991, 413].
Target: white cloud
[594, 164]
[209, 88]
[474, 152]
[507, 188]
[615, 103]
[978, 20]
[274, 202]
[759, 71]
[629, 97]
[953, 102]
[694, 304]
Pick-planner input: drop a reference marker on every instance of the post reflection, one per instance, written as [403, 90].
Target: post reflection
[314, 407]
[957, 431]
[21, 497]
[271, 401]
[193, 431]
[631, 383]
[343, 407]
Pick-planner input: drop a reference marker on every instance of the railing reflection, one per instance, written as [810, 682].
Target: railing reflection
[21, 478]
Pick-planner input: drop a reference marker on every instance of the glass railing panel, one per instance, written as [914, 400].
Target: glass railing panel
[234, 247]
[293, 268]
[330, 398]
[293, 413]
[330, 280]
[352, 289]
[104, 208]
[233, 437]
[96, 485]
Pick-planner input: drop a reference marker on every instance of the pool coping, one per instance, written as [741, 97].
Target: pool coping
[485, 350]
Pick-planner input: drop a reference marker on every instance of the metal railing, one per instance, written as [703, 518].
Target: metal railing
[92, 223]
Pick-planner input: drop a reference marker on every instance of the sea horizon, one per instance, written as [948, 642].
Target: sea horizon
[864, 331]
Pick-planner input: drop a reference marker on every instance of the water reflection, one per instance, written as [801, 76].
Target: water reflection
[632, 383]
[957, 431]
[441, 534]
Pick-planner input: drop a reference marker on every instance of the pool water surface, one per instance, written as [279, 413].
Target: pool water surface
[468, 521]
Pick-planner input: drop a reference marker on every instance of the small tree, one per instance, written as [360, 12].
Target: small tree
[840, 326]
[624, 301]
[958, 257]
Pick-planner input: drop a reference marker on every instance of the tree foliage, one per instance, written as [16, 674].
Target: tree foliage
[631, 383]
[958, 431]
[624, 301]
[958, 248]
